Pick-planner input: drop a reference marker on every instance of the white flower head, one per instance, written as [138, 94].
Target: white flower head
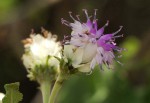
[41, 51]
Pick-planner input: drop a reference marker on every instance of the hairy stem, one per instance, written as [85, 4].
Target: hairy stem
[56, 88]
[45, 89]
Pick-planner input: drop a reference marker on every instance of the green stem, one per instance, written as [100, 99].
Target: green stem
[56, 88]
[45, 89]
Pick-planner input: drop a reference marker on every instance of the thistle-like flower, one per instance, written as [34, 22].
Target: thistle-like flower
[95, 46]
[40, 52]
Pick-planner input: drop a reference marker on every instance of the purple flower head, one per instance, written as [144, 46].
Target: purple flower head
[90, 27]
[107, 41]
[88, 32]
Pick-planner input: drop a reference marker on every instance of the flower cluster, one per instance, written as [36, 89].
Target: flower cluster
[89, 45]
[40, 53]
[86, 47]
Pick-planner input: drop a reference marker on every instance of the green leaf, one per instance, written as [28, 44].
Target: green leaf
[12, 93]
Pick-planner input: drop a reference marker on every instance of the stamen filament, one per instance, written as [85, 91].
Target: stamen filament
[95, 13]
[118, 30]
[118, 36]
[67, 23]
[70, 13]
[85, 11]
[78, 17]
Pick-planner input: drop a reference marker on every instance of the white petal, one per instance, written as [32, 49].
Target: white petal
[27, 61]
[85, 68]
[49, 36]
[68, 51]
[77, 57]
[108, 56]
[93, 63]
[76, 42]
[89, 52]
[53, 62]
[37, 38]
[77, 26]
[99, 58]
[100, 50]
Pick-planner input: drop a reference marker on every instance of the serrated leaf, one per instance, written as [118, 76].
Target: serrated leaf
[12, 93]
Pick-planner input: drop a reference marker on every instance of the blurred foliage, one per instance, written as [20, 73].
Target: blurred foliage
[129, 83]
[129, 43]
[6, 7]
